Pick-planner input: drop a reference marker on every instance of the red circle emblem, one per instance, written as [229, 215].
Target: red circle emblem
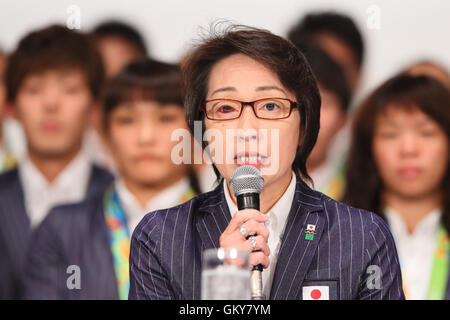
[316, 294]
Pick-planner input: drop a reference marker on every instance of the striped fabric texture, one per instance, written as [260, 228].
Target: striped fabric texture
[352, 252]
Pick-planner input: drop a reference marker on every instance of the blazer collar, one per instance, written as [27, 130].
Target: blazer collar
[212, 217]
[296, 252]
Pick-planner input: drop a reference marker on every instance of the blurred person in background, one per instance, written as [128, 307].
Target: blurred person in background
[53, 79]
[7, 159]
[142, 106]
[431, 69]
[399, 168]
[339, 36]
[327, 172]
[119, 43]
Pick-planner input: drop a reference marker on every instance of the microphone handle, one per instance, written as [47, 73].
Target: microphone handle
[251, 201]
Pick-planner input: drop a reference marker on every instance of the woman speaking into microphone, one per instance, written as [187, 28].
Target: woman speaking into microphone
[258, 86]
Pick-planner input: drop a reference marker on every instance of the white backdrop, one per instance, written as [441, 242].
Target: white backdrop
[409, 30]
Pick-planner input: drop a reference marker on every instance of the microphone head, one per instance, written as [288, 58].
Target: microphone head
[246, 179]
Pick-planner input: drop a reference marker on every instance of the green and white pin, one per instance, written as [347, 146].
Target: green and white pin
[310, 232]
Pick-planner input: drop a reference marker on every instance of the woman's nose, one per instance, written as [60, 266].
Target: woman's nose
[248, 119]
[247, 132]
[146, 132]
[409, 145]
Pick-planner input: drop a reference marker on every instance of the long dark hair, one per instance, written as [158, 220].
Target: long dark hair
[276, 53]
[363, 181]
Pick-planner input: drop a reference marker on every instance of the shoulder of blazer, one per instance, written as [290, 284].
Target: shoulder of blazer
[12, 200]
[74, 218]
[338, 212]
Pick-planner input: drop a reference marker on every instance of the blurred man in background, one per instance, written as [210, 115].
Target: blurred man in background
[339, 36]
[142, 106]
[326, 171]
[119, 44]
[53, 79]
[340, 39]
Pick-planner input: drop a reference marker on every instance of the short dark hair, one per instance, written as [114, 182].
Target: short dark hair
[328, 73]
[145, 79]
[54, 47]
[363, 181]
[339, 25]
[276, 53]
[120, 29]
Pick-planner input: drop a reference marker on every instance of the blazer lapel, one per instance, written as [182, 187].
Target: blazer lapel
[212, 218]
[102, 257]
[296, 250]
[98, 181]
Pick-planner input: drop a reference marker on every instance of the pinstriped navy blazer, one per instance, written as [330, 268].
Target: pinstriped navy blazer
[15, 227]
[166, 248]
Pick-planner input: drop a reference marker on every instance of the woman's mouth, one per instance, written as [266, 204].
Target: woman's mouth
[409, 172]
[253, 159]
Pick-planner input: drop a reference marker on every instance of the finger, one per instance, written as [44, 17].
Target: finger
[242, 216]
[261, 245]
[259, 258]
[254, 227]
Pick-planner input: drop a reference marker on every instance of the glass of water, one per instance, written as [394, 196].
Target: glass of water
[225, 275]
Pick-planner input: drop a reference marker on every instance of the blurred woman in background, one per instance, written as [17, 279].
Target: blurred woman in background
[399, 168]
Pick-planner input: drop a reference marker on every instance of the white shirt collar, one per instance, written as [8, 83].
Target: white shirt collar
[415, 250]
[167, 198]
[69, 186]
[281, 208]
[427, 226]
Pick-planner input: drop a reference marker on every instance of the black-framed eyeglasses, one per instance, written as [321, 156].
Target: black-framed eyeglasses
[267, 108]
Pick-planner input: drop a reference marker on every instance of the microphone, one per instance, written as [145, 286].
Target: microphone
[246, 183]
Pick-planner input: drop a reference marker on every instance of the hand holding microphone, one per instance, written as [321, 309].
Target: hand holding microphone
[251, 220]
[245, 230]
